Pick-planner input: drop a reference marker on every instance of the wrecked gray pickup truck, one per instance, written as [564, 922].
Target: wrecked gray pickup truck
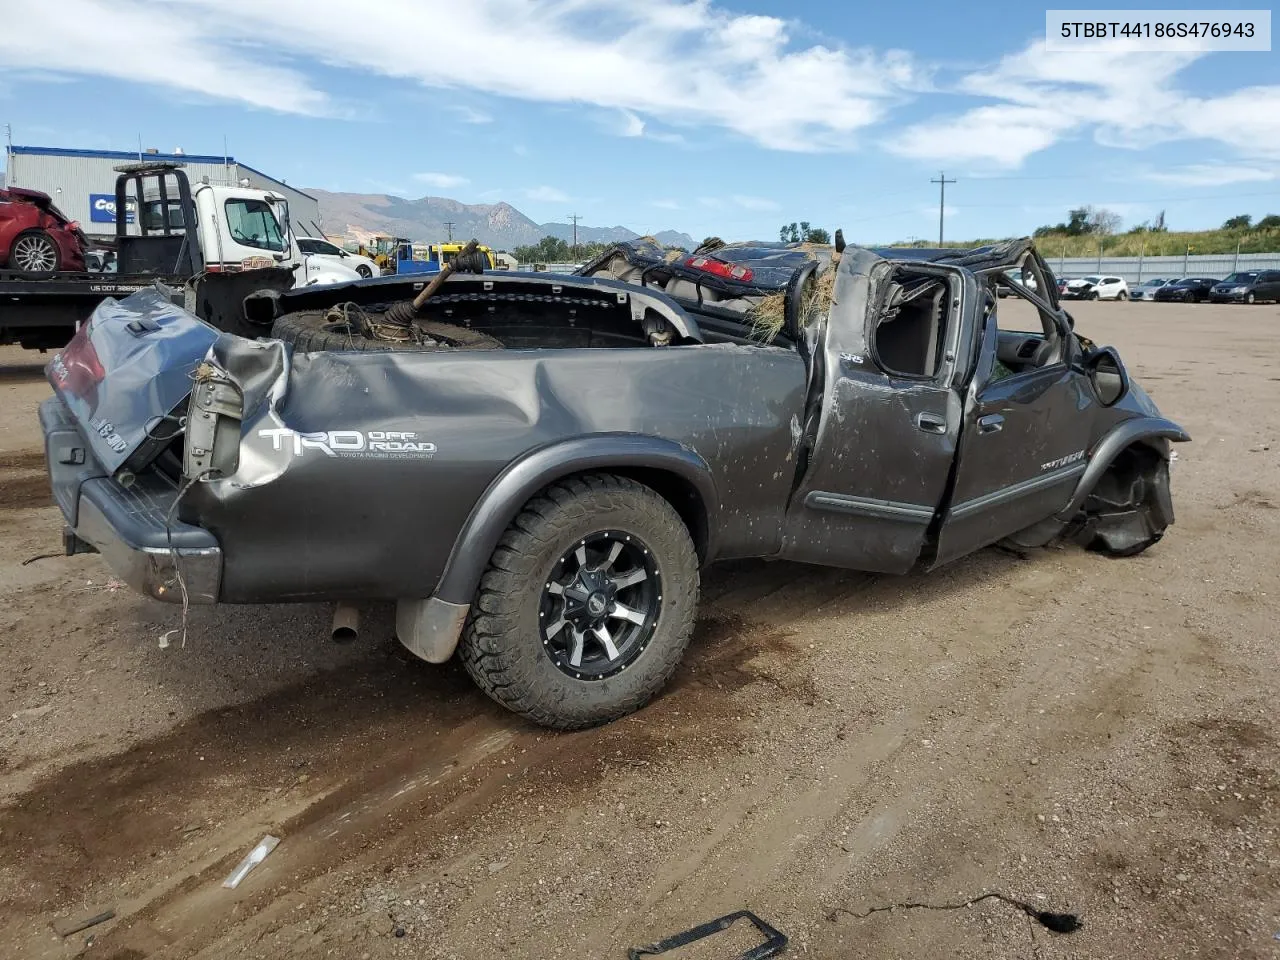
[536, 468]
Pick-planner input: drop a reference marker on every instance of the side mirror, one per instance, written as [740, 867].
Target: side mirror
[1107, 374]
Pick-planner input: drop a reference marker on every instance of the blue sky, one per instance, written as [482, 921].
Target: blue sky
[727, 118]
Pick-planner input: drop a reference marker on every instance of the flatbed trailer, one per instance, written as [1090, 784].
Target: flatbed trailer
[45, 313]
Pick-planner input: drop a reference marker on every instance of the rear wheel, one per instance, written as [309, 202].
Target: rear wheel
[1131, 507]
[587, 604]
[1122, 295]
[34, 252]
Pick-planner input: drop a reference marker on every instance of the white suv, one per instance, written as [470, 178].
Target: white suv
[1097, 288]
[324, 250]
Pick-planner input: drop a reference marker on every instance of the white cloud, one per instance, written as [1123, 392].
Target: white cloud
[86, 37]
[546, 194]
[932, 211]
[662, 66]
[471, 115]
[632, 126]
[1214, 174]
[1122, 99]
[683, 62]
[762, 204]
[441, 181]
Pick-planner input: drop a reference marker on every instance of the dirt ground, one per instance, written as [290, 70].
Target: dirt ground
[1085, 734]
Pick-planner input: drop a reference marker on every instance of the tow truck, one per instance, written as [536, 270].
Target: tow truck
[191, 239]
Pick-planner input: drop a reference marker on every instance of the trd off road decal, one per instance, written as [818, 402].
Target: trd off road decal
[366, 444]
[107, 431]
[1062, 461]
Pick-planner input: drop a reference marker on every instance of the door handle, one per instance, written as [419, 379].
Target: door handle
[931, 423]
[991, 423]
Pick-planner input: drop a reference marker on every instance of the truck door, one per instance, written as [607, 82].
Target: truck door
[890, 417]
[1028, 418]
[249, 232]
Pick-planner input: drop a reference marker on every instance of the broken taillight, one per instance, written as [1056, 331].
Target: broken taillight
[77, 369]
[719, 268]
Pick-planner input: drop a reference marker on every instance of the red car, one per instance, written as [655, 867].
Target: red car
[35, 236]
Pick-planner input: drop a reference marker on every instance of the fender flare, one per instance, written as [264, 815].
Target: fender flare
[1153, 431]
[512, 489]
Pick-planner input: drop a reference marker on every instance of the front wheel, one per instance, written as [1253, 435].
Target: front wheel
[1249, 298]
[364, 271]
[1094, 295]
[587, 604]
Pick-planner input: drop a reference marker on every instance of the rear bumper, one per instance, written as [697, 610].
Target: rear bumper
[130, 526]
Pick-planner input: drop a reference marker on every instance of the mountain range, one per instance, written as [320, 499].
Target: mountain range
[499, 225]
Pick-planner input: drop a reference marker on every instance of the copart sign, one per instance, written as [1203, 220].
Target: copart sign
[368, 444]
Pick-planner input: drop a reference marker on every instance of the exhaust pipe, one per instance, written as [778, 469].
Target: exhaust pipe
[346, 623]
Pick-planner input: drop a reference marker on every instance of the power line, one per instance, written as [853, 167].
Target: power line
[449, 225]
[575, 218]
[942, 182]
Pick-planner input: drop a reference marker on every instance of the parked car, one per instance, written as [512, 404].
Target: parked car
[1186, 290]
[534, 467]
[1062, 286]
[1147, 288]
[323, 250]
[1248, 287]
[1097, 288]
[35, 236]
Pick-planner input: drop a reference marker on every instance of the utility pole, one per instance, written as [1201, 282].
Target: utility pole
[449, 225]
[575, 218]
[942, 182]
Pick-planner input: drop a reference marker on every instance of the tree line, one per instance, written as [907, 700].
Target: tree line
[1098, 221]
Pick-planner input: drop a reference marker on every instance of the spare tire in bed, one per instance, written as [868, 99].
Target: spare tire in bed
[312, 331]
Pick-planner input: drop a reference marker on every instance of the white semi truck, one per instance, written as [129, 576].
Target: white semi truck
[216, 243]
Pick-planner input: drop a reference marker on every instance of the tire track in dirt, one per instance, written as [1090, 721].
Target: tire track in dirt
[24, 484]
[331, 765]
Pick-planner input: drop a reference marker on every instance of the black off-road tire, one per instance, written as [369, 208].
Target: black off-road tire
[502, 645]
[312, 331]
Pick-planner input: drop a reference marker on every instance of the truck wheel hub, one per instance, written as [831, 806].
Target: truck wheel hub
[600, 605]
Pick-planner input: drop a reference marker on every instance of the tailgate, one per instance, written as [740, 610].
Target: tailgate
[125, 374]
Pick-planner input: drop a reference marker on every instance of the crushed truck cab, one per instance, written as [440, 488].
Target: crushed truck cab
[536, 468]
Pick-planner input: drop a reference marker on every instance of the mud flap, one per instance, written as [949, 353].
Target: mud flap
[430, 628]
